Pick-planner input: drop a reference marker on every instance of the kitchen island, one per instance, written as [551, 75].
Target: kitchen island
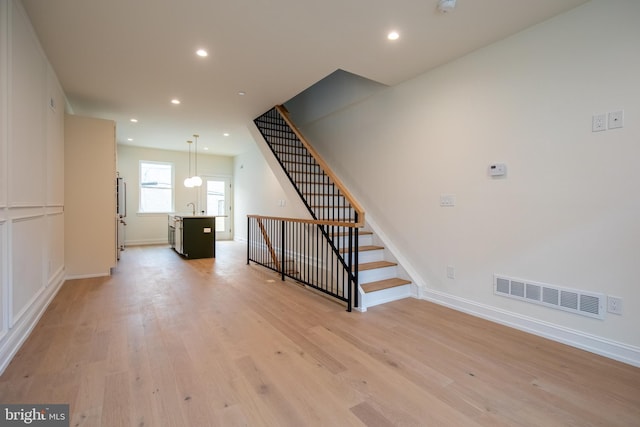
[193, 236]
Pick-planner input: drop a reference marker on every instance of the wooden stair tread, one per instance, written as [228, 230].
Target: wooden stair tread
[375, 264]
[383, 284]
[360, 232]
[363, 248]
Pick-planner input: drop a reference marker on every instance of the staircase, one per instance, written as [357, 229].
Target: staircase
[327, 199]
[377, 275]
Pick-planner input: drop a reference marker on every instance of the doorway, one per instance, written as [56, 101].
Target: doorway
[215, 201]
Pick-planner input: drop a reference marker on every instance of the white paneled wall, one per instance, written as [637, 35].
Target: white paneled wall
[55, 238]
[32, 256]
[27, 260]
[27, 95]
[4, 324]
[4, 87]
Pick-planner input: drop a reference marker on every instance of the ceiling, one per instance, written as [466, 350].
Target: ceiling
[123, 59]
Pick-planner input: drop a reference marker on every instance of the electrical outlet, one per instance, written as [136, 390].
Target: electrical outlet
[616, 119]
[451, 272]
[447, 200]
[599, 122]
[614, 305]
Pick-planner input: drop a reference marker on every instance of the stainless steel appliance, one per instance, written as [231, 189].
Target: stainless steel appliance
[121, 213]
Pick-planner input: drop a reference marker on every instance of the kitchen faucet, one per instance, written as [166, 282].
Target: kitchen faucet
[193, 211]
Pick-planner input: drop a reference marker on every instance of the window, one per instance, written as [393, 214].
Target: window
[156, 187]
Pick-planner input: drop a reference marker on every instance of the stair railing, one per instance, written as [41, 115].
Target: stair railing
[322, 252]
[305, 251]
[323, 193]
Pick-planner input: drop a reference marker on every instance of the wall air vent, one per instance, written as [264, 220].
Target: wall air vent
[585, 303]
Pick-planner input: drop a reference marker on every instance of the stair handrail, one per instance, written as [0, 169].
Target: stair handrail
[325, 167]
[325, 227]
[308, 221]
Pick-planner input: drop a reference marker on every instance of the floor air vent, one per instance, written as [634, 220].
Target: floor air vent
[575, 301]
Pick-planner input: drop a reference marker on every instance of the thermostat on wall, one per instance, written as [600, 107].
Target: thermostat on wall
[498, 169]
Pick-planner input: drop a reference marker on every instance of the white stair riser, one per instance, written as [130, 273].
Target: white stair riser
[370, 256]
[385, 295]
[363, 240]
[368, 276]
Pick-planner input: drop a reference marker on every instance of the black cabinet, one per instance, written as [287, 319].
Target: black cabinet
[198, 237]
[193, 237]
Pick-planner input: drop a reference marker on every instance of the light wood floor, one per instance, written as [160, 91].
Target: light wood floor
[168, 342]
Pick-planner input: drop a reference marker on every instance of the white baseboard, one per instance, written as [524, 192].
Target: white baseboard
[87, 276]
[604, 347]
[146, 242]
[19, 333]
[614, 350]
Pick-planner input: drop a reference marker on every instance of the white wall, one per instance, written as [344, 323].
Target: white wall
[31, 180]
[567, 211]
[260, 185]
[144, 229]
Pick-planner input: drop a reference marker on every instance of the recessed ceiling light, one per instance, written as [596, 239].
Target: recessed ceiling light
[175, 101]
[242, 93]
[201, 52]
[206, 148]
[226, 134]
[134, 120]
[129, 139]
[393, 35]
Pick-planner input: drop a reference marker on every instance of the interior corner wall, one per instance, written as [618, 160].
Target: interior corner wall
[151, 228]
[566, 213]
[32, 264]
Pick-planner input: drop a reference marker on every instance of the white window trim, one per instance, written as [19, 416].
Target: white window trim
[173, 188]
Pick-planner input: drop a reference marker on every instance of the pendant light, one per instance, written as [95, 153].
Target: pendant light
[195, 179]
[188, 182]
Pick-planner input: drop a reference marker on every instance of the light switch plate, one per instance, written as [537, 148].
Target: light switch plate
[616, 119]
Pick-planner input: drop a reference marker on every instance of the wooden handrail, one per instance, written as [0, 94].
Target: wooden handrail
[309, 221]
[347, 195]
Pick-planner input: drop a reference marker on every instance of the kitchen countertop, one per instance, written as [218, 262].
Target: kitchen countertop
[196, 216]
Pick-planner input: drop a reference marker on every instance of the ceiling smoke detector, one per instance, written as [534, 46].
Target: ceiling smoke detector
[446, 6]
